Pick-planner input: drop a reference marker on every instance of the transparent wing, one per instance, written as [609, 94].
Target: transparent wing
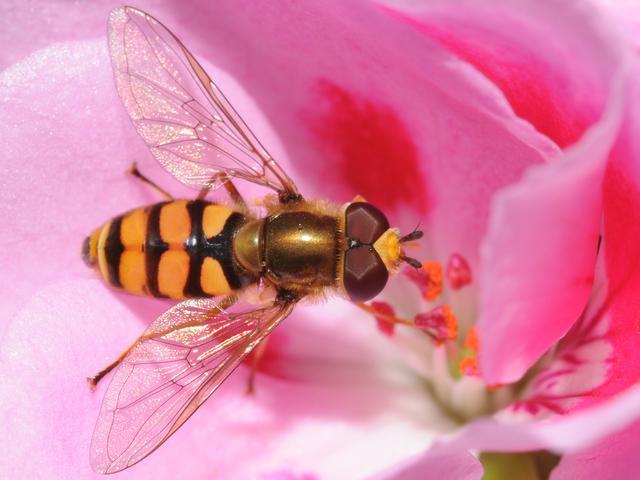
[183, 358]
[184, 118]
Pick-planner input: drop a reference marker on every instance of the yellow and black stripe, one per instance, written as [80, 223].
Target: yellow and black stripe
[178, 249]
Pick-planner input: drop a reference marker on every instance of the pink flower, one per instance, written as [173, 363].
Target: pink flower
[510, 133]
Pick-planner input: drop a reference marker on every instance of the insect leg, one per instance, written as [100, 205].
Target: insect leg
[228, 185]
[136, 173]
[256, 357]
[225, 303]
[93, 381]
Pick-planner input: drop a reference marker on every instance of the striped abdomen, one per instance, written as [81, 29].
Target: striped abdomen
[176, 249]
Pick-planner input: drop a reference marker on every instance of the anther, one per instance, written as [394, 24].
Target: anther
[458, 271]
[468, 364]
[428, 279]
[387, 311]
[471, 341]
[440, 323]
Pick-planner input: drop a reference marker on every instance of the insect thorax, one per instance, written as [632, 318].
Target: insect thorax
[296, 250]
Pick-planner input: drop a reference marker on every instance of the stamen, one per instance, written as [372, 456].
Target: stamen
[440, 323]
[458, 271]
[428, 279]
[471, 341]
[383, 312]
[468, 364]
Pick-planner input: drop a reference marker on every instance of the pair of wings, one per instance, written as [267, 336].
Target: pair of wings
[195, 133]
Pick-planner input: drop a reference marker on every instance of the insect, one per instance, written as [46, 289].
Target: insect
[209, 255]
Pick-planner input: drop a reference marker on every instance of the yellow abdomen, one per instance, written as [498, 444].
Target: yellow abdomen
[178, 249]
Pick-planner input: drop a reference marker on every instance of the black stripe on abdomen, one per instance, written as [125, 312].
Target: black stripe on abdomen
[219, 247]
[194, 247]
[154, 247]
[113, 249]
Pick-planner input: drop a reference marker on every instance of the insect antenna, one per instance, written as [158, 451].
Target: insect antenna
[415, 235]
[411, 261]
[410, 237]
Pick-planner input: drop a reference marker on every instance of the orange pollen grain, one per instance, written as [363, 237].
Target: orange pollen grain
[471, 341]
[434, 284]
[469, 366]
[451, 322]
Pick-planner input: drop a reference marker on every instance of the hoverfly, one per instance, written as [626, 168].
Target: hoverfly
[206, 254]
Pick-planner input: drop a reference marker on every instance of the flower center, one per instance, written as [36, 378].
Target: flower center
[449, 350]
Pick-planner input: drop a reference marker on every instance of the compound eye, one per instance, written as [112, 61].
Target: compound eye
[364, 222]
[365, 274]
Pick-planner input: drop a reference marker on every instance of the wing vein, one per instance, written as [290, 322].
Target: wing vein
[162, 83]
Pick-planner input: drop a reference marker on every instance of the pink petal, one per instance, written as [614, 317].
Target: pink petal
[27, 28]
[605, 336]
[330, 408]
[561, 433]
[599, 356]
[614, 458]
[47, 353]
[621, 233]
[65, 149]
[437, 463]
[538, 257]
[627, 15]
[552, 59]
[539, 254]
[570, 377]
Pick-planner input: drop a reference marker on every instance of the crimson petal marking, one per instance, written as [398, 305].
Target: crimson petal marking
[572, 373]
